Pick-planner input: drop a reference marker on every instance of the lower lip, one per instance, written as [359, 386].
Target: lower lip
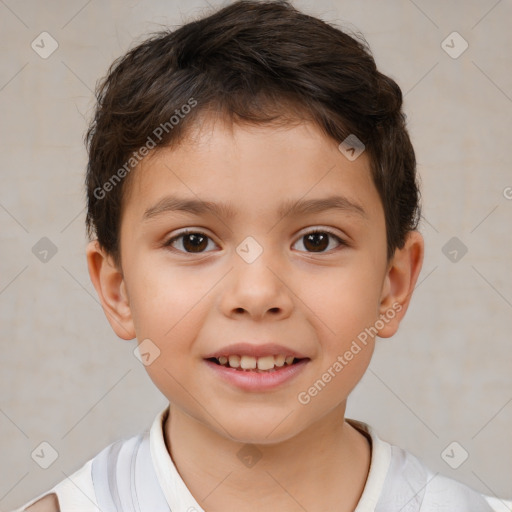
[258, 381]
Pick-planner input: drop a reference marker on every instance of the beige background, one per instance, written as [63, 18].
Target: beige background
[446, 376]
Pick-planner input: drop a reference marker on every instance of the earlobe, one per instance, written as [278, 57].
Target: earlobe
[110, 286]
[399, 283]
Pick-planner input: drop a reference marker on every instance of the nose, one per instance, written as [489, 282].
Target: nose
[257, 290]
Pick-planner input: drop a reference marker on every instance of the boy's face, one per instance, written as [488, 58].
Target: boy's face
[312, 295]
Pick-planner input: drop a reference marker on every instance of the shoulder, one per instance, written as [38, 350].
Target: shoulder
[91, 484]
[48, 503]
[447, 494]
[410, 478]
[398, 480]
[74, 493]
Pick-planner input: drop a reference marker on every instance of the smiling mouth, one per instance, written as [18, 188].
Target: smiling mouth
[265, 364]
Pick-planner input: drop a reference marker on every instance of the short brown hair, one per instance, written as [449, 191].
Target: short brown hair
[253, 62]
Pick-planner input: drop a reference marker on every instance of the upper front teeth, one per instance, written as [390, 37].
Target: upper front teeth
[251, 363]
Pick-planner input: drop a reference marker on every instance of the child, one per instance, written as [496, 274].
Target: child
[252, 190]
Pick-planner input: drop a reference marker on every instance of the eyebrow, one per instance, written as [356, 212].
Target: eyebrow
[289, 207]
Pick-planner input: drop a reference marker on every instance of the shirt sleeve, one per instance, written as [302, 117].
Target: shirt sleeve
[499, 505]
[74, 494]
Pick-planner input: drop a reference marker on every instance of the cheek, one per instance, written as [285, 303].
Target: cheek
[168, 304]
[164, 298]
[344, 300]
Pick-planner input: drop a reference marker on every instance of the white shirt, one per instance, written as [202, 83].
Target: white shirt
[138, 475]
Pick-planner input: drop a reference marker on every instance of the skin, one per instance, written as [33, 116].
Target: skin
[48, 503]
[190, 304]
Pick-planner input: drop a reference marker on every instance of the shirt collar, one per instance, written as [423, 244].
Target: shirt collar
[179, 497]
[379, 465]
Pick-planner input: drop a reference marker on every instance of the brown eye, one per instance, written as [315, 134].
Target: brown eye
[319, 240]
[191, 242]
[316, 242]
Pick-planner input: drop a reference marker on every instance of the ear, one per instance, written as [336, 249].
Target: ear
[111, 289]
[402, 274]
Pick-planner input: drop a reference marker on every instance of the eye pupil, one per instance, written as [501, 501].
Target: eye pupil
[319, 241]
[197, 240]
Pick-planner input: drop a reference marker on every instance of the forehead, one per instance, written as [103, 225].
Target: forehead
[252, 168]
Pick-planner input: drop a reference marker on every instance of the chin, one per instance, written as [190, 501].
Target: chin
[260, 427]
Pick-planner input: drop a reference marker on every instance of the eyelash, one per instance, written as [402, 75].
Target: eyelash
[340, 241]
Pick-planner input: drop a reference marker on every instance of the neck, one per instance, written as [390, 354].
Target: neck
[324, 467]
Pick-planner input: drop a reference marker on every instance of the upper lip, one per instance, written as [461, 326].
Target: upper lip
[255, 350]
